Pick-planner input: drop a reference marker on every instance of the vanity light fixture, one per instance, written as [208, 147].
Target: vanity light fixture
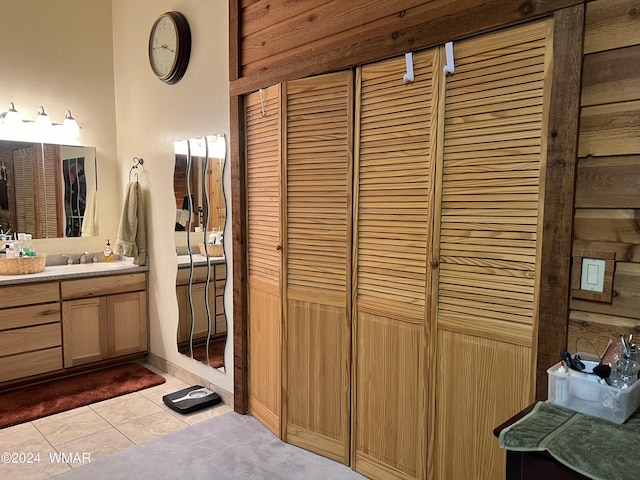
[12, 126]
[12, 116]
[70, 124]
[42, 120]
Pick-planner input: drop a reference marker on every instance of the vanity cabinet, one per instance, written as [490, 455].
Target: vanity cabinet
[103, 317]
[30, 332]
[217, 278]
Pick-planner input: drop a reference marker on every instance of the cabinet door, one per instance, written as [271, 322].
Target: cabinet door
[184, 316]
[200, 319]
[84, 330]
[127, 323]
[317, 261]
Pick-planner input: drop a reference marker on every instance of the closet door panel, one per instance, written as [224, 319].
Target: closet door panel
[395, 125]
[263, 202]
[391, 400]
[487, 232]
[315, 419]
[318, 178]
[487, 377]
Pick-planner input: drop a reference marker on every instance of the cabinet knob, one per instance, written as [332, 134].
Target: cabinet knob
[434, 262]
[278, 247]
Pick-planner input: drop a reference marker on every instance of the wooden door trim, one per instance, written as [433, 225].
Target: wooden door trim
[561, 141]
[238, 163]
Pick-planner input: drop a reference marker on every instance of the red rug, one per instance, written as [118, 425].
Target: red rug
[28, 403]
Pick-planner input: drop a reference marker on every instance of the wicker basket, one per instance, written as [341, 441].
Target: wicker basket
[215, 250]
[23, 266]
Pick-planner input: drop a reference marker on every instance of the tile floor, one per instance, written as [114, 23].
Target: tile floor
[94, 431]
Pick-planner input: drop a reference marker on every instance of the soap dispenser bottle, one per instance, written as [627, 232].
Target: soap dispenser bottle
[108, 253]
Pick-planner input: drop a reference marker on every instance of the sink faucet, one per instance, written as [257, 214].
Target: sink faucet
[85, 258]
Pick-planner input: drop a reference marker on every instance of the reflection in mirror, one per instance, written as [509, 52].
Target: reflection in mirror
[48, 190]
[200, 221]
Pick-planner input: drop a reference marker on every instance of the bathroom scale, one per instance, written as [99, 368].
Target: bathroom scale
[191, 399]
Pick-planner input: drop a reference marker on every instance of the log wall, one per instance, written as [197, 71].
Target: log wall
[607, 203]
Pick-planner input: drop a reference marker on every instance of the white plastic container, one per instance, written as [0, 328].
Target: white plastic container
[563, 387]
[588, 396]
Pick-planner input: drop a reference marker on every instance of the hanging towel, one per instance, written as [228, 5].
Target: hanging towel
[90, 219]
[131, 241]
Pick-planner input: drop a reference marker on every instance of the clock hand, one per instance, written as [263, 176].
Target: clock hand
[164, 47]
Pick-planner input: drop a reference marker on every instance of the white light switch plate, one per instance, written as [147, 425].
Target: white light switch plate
[592, 278]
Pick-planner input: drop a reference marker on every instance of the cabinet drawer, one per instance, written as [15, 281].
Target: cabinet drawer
[221, 324]
[32, 363]
[29, 316]
[199, 275]
[29, 294]
[221, 271]
[21, 340]
[107, 285]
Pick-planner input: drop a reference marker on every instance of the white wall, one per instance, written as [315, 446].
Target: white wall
[150, 116]
[60, 55]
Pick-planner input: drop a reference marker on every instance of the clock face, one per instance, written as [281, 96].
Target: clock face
[170, 47]
[163, 47]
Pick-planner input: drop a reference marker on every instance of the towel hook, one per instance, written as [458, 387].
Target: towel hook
[136, 161]
[263, 110]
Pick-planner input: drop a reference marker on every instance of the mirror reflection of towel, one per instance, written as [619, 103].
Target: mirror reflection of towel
[90, 219]
[182, 217]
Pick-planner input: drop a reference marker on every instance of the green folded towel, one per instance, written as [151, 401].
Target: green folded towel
[594, 447]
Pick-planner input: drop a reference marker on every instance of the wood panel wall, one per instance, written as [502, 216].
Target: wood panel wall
[607, 204]
[276, 40]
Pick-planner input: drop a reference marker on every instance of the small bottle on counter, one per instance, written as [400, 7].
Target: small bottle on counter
[15, 250]
[27, 248]
[21, 242]
[108, 253]
[562, 384]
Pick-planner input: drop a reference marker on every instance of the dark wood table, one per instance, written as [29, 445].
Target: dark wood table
[534, 465]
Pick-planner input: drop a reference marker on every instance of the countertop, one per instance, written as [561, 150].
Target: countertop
[183, 260]
[67, 272]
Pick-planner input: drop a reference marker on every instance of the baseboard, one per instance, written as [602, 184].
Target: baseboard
[188, 377]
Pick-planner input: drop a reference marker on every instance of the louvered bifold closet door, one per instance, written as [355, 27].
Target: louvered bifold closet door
[263, 133]
[25, 167]
[490, 220]
[392, 247]
[49, 177]
[318, 156]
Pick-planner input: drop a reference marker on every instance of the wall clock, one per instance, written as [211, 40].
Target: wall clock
[170, 47]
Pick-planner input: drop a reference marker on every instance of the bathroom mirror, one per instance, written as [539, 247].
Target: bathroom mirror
[200, 221]
[48, 190]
